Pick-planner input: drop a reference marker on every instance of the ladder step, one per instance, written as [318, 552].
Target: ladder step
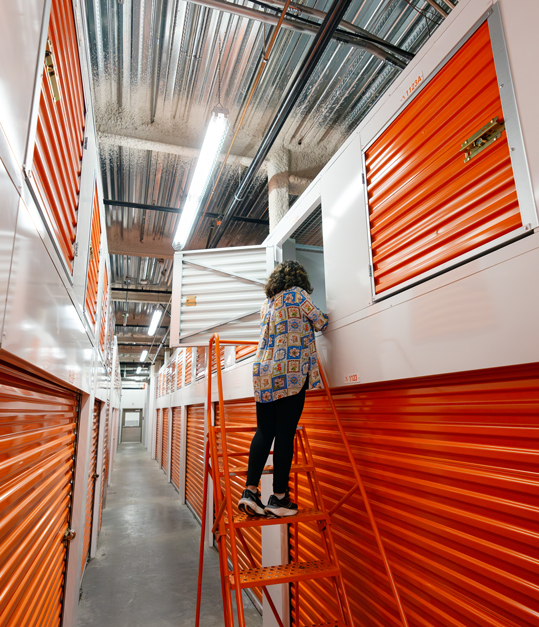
[268, 470]
[296, 571]
[303, 515]
[331, 624]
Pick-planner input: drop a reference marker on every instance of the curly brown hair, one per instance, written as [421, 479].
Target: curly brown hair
[285, 276]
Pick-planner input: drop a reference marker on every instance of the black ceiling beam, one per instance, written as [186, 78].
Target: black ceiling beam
[140, 290]
[138, 205]
[319, 44]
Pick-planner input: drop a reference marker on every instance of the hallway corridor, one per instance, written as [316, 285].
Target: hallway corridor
[146, 567]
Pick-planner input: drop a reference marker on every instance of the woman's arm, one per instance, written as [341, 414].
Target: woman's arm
[316, 316]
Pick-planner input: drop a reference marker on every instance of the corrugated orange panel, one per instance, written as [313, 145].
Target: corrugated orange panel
[60, 133]
[221, 359]
[179, 375]
[201, 363]
[104, 309]
[175, 446]
[194, 480]
[105, 465]
[164, 442]
[242, 414]
[93, 262]
[426, 206]
[90, 493]
[450, 465]
[188, 365]
[245, 350]
[173, 372]
[38, 422]
[157, 433]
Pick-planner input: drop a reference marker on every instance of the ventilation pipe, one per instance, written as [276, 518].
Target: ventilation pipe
[278, 185]
[319, 44]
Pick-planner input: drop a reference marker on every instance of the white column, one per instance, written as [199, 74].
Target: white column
[278, 185]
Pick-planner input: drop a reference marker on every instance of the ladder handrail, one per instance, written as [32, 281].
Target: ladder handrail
[214, 340]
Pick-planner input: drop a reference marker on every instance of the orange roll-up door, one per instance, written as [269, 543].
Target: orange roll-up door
[241, 413]
[201, 363]
[104, 309]
[244, 350]
[90, 492]
[93, 262]
[450, 466]
[38, 423]
[60, 131]
[105, 465]
[164, 442]
[188, 365]
[194, 480]
[175, 446]
[426, 206]
[157, 433]
[179, 374]
[221, 359]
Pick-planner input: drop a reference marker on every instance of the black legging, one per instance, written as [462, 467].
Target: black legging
[275, 420]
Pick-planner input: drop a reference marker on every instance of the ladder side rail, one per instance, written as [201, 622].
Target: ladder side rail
[219, 500]
[327, 535]
[296, 531]
[359, 482]
[228, 492]
[221, 531]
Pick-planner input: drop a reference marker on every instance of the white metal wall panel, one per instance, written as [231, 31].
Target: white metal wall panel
[8, 220]
[219, 297]
[20, 38]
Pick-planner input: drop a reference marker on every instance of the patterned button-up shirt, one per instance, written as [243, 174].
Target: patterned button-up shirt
[286, 352]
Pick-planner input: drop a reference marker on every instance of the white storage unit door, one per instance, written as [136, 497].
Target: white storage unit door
[218, 291]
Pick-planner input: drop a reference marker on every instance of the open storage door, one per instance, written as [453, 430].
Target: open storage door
[38, 425]
[440, 180]
[218, 291]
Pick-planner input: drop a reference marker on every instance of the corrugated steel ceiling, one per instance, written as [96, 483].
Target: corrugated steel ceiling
[156, 79]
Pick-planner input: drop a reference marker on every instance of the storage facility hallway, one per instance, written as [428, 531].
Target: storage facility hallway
[145, 570]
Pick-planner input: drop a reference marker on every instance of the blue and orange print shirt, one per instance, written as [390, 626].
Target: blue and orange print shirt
[286, 353]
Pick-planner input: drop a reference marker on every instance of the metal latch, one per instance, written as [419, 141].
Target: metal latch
[482, 139]
[51, 71]
[70, 534]
[95, 475]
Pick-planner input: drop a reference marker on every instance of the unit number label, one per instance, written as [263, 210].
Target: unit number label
[415, 84]
[351, 378]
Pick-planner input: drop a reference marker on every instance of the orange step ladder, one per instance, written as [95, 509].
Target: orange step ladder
[219, 466]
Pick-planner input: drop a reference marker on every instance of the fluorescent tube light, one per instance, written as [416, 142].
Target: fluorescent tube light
[155, 321]
[143, 355]
[211, 148]
[139, 369]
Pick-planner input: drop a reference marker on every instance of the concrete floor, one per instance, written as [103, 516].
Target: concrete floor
[146, 568]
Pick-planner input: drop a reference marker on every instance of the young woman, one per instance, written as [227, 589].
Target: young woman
[286, 365]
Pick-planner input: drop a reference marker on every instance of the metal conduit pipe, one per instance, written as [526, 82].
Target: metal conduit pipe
[308, 29]
[357, 30]
[319, 44]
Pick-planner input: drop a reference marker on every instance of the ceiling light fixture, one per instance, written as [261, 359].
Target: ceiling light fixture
[139, 369]
[156, 318]
[143, 355]
[211, 148]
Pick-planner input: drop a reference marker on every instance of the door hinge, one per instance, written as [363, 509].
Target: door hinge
[76, 249]
[85, 143]
[370, 270]
[95, 476]
[363, 178]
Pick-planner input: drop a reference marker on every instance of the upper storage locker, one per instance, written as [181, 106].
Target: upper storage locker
[440, 182]
[60, 132]
[92, 279]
